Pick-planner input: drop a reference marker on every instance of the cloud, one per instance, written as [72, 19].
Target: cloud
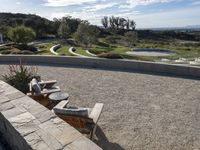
[175, 18]
[195, 3]
[98, 7]
[134, 3]
[57, 3]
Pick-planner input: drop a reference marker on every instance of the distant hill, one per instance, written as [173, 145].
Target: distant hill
[41, 25]
[190, 28]
[193, 26]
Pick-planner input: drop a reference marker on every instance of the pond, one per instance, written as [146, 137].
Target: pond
[150, 52]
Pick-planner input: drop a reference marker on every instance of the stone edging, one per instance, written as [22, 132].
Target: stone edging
[101, 63]
[54, 48]
[75, 54]
[25, 125]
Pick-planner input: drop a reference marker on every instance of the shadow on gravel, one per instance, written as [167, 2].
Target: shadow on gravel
[103, 142]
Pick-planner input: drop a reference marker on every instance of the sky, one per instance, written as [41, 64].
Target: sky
[146, 13]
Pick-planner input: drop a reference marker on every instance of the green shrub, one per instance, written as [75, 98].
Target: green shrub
[111, 39]
[110, 56]
[103, 44]
[6, 52]
[25, 47]
[22, 52]
[19, 76]
[100, 50]
[4, 48]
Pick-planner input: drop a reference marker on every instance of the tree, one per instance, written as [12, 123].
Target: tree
[127, 24]
[112, 22]
[4, 31]
[87, 34]
[64, 31]
[104, 22]
[122, 23]
[21, 34]
[132, 24]
[131, 38]
[117, 22]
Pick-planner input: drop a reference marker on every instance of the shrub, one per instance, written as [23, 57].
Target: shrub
[25, 47]
[103, 44]
[19, 76]
[110, 56]
[6, 52]
[111, 39]
[23, 52]
[4, 48]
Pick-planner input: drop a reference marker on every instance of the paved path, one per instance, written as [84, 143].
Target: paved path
[142, 112]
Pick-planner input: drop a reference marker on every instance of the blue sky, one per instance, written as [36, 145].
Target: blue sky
[146, 13]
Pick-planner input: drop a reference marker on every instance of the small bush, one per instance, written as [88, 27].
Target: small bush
[25, 47]
[24, 52]
[4, 48]
[103, 44]
[42, 46]
[110, 56]
[111, 39]
[19, 76]
[6, 52]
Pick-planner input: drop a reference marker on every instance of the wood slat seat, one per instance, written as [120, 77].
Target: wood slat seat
[85, 124]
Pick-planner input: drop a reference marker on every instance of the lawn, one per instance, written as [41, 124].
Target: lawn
[45, 48]
[189, 50]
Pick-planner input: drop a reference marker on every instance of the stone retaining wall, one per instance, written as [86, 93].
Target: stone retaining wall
[99, 63]
[25, 124]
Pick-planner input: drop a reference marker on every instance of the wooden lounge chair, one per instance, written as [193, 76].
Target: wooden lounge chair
[85, 123]
[39, 91]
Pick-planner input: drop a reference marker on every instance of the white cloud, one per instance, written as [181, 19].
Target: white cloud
[195, 3]
[18, 3]
[134, 3]
[56, 3]
[98, 7]
[175, 18]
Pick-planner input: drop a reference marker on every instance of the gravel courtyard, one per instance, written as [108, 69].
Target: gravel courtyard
[141, 111]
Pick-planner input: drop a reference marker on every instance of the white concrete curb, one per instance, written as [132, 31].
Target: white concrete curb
[54, 48]
[94, 55]
[75, 54]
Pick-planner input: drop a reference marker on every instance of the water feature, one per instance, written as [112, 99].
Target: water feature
[150, 52]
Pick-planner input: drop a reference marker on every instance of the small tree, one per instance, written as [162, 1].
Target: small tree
[4, 31]
[21, 35]
[132, 25]
[64, 31]
[131, 38]
[86, 34]
[104, 22]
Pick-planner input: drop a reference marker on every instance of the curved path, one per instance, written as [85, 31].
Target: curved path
[141, 111]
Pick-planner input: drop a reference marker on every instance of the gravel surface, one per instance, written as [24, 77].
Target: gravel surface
[142, 112]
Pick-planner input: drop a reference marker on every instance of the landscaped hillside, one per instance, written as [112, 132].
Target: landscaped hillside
[116, 39]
